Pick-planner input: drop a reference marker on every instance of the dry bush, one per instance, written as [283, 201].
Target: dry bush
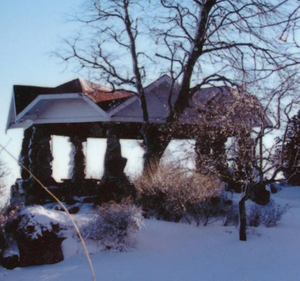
[173, 194]
[115, 226]
[254, 216]
[4, 173]
[269, 215]
[231, 216]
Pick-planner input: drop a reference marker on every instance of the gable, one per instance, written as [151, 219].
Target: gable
[24, 95]
[61, 108]
[67, 108]
[156, 95]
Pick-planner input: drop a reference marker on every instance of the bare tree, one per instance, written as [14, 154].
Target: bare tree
[248, 163]
[249, 46]
[257, 165]
[226, 42]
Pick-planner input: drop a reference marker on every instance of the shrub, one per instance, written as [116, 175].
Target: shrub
[231, 217]
[254, 215]
[273, 214]
[115, 226]
[176, 195]
[211, 208]
[268, 215]
[8, 219]
[179, 196]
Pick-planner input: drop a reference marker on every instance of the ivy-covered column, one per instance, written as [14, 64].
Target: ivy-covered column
[210, 148]
[114, 184]
[24, 155]
[18, 189]
[77, 159]
[203, 151]
[219, 146]
[114, 163]
[40, 158]
[219, 155]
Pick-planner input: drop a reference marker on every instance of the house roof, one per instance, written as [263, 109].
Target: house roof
[156, 95]
[226, 107]
[24, 95]
[80, 101]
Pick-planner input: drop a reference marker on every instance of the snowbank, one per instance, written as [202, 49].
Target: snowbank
[169, 251]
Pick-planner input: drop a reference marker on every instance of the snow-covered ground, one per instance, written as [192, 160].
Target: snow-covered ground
[169, 251]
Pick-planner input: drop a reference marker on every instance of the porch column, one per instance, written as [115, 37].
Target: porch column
[114, 163]
[114, 184]
[210, 151]
[77, 159]
[219, 155]
[24, 154]
[203, 151]
[40, 155]
[39, 160]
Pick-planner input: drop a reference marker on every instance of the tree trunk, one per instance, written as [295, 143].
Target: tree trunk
[243, 218]
[196, 51]
[156, 143]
